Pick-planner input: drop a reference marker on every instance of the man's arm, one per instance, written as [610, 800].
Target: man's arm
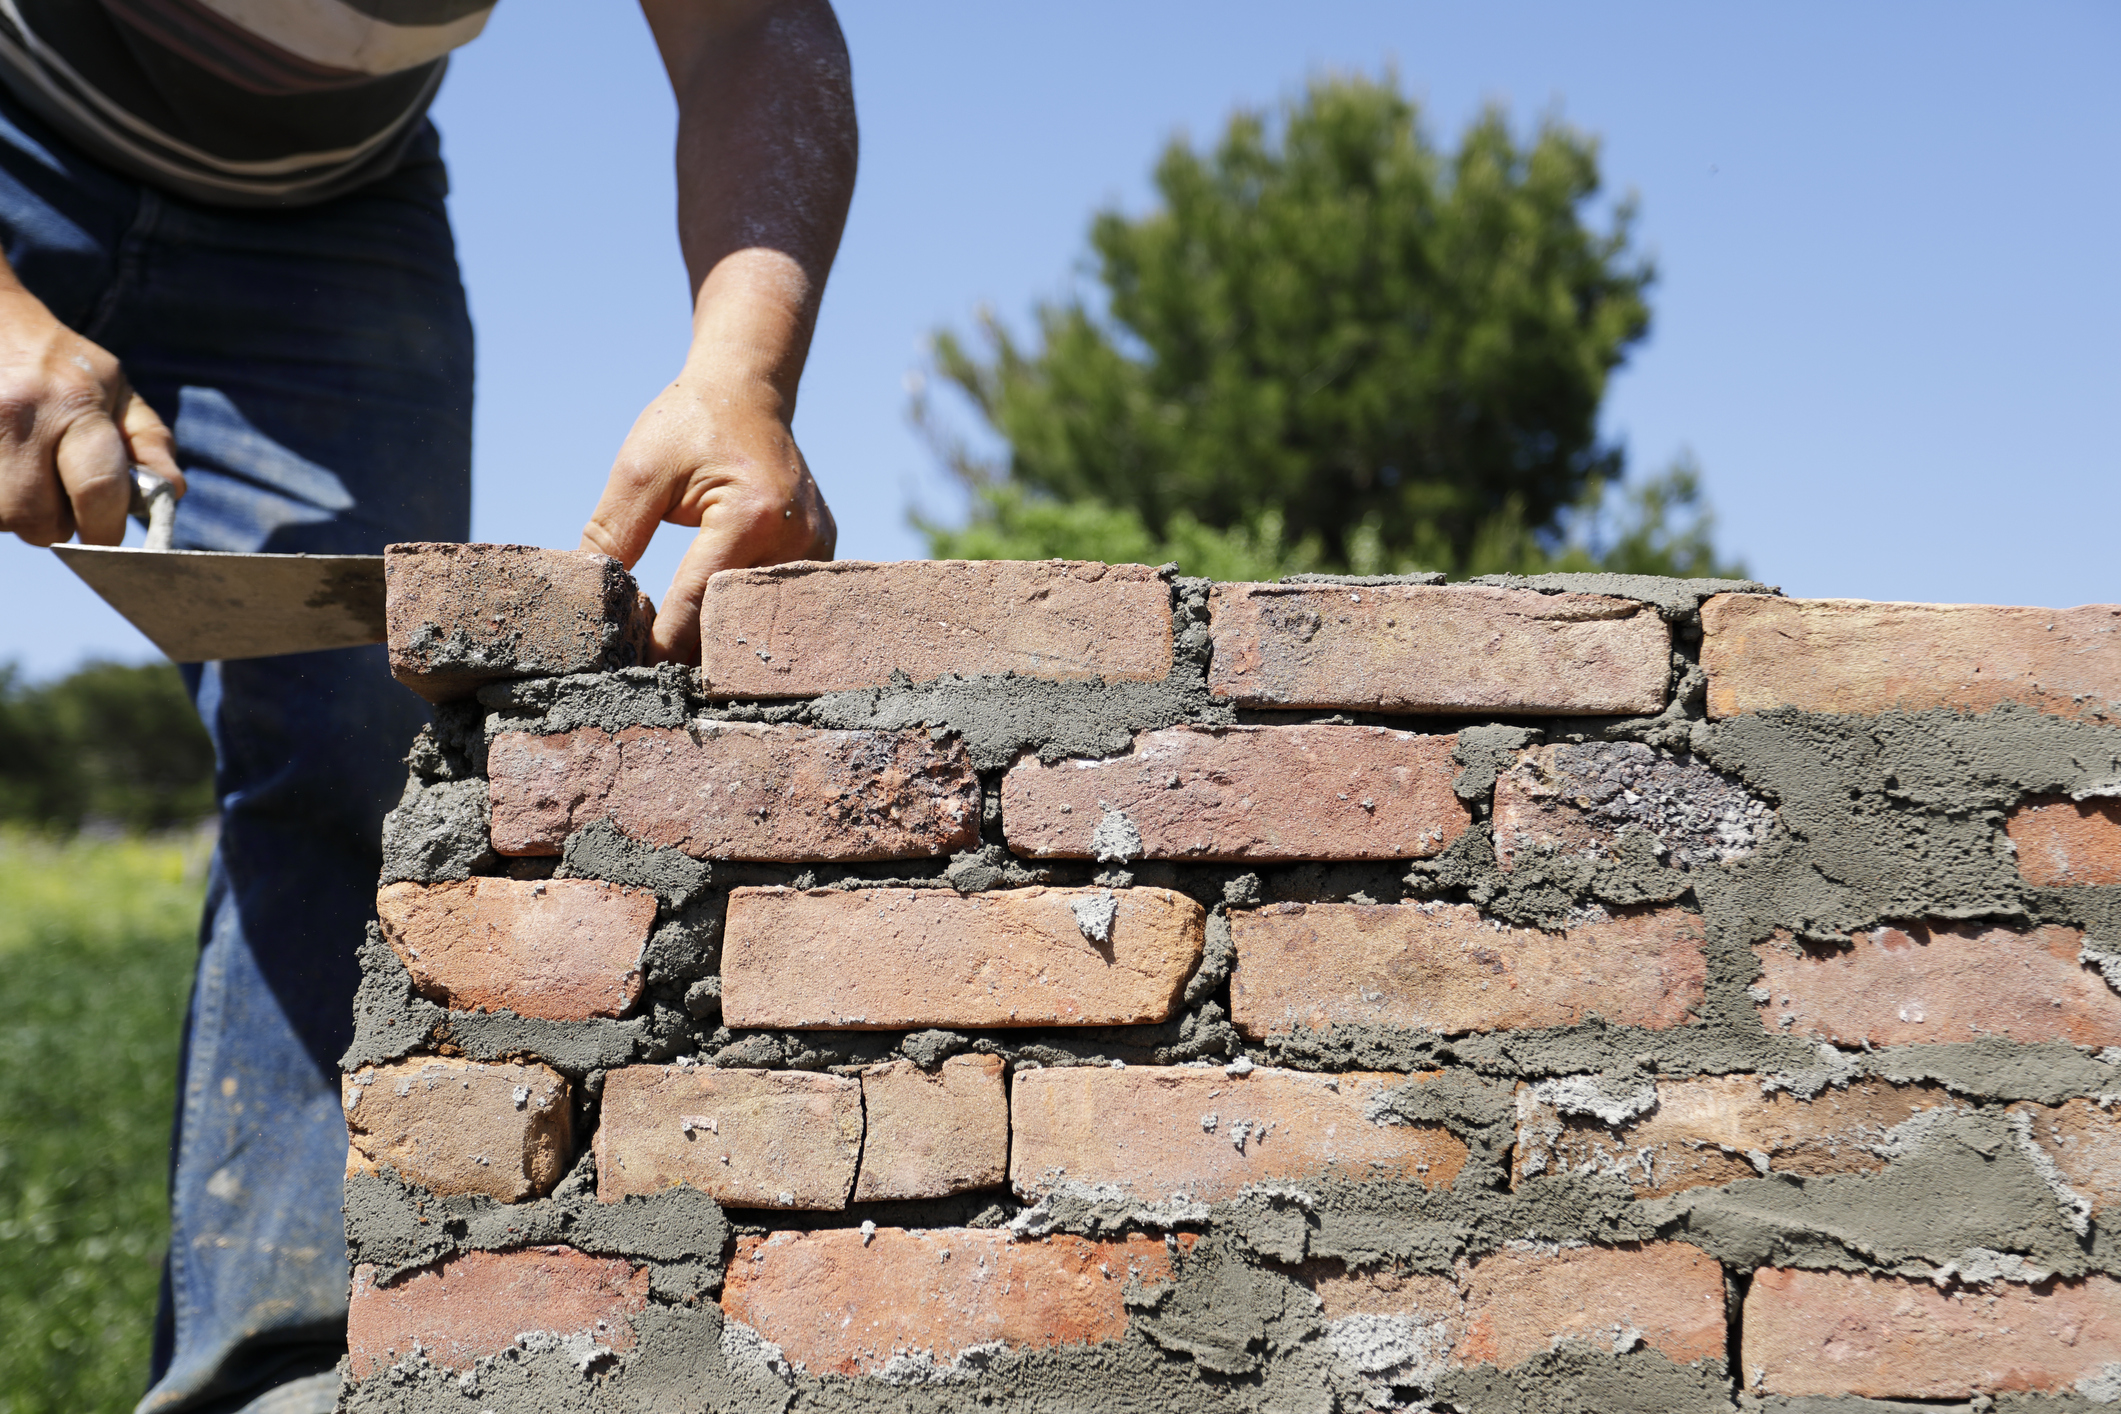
[766, 156]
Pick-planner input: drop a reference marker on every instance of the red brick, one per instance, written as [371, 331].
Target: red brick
[1717, 1129]
[1938, 982]
[1446, 968]
[738, 790]
[1666, 1296]
[456, 1126]
[1585, 798]
[1423, 1320]
[932, 1133]
[1420, 648]
[481, 1303]
[1852, 1333]
[1159, 1131]
[461, 616]
[884, 959]
[2083, 1138]
[558, 949]
[800, 629]
[2066, 843]
[1851, 655]
[1262, 793]
[838, 1302]
[745, 1138]
[1519, 1303]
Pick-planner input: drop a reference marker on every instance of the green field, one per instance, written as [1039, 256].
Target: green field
[97, 938]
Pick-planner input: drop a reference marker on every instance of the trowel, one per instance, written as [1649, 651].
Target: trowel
[201, 605]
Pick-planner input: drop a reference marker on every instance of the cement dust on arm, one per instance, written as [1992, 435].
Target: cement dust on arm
[765, 162]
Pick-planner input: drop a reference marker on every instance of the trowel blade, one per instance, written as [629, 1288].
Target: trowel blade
[201, 605]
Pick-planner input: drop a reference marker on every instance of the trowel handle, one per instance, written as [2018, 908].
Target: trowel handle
[155, 501]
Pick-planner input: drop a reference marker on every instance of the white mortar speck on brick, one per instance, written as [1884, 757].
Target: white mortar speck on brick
[1592, 1095]
[1094, 915]
[1115, 840]
[581, 1348]
[1391, 1350]
[1978, 1266]
[748, 1353]
[1835, 1068]
[2104, 1387]
[2109, 965]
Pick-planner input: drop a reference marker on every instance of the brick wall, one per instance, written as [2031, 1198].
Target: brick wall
[1066, 986]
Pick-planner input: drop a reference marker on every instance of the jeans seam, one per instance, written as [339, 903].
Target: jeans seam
[131, 254]
[210, 978]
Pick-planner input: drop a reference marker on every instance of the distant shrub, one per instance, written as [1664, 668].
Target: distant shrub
[113, 745]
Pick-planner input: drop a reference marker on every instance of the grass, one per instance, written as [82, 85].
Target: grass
[97, 939]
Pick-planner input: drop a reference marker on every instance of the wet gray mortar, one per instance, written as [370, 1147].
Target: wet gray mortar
[1895, 817]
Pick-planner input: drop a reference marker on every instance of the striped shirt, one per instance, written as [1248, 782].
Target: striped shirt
[236, 102]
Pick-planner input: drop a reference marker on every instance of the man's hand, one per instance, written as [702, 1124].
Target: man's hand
[719, 457]
[71, 429]
[766, 155]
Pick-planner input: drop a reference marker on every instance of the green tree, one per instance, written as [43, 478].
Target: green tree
[111, 743]
[1331, 347]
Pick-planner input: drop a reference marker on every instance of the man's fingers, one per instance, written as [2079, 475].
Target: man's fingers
[96, 470]
[677, 626]
[626, 516]
[150, 442]
[30, 503]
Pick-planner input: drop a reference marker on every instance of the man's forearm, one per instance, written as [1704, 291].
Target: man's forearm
[766, 152]
[766, 155]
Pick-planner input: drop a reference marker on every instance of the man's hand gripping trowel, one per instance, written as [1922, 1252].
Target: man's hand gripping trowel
[199, 605]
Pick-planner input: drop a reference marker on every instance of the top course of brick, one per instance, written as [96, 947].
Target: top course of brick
[462, 616]
[1850, 655]
[1430, 648]
[811, 627]
[465, 615]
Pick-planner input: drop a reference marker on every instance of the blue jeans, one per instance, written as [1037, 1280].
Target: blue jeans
[315, 366]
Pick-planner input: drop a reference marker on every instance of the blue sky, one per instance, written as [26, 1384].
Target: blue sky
[1886, 321]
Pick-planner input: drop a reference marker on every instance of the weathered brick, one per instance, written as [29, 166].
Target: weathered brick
[1159, 1131]
[1938, 982]
[1420, 648]
[839, 1302]
[1714, 1130]
[461, 616]
[1446, 968]
[1586, 798]
[481, 1303]
[738, 790]
[931, 1133]
[1407, 1328]
[455, 1126]
[1263, 793]
[1851, 655]
[1403, 1327]
[800, 629]
[558, 949]
[881, 959]
[1666, 1296]
[1395, 1327]
[745, 1138]
[2064, 843]
[1853, 1333]
[2082, 1138]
